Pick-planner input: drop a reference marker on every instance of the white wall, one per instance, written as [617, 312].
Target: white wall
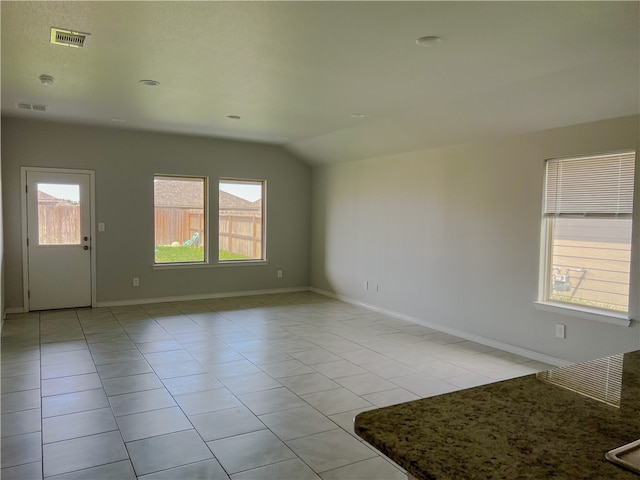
[451, 236]
[124, 163]
[2, 283]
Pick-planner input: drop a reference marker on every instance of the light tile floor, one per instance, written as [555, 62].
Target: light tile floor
[262, 387]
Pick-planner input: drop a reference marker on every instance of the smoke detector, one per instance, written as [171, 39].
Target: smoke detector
[68, 38]
[46, 79]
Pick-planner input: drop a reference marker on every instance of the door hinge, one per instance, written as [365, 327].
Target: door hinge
[29, 294]
[27, 242]
[26, 189]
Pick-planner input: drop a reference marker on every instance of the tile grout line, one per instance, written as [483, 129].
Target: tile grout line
[110, 406]
[41, 397]
[174, 400]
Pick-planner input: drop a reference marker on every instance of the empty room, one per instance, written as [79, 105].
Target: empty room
[290, 240]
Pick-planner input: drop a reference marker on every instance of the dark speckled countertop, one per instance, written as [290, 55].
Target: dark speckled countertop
[523, 428]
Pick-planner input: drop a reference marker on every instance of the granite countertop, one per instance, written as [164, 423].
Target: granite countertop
[524, 428]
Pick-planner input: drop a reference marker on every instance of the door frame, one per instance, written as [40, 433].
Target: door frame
[92, 227]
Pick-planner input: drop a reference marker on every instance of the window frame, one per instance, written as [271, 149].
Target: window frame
[244, 261]
[206, 220]
[544, 302]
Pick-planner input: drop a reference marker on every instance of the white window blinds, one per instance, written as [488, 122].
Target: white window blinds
[600, 379]
[594, 186]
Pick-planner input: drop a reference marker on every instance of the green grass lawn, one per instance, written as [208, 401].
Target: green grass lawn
[182, 254]
[224, 255]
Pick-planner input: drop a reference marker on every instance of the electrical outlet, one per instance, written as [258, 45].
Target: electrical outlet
[100, 227]
[560, 330]
[279, 273]
[136, 282]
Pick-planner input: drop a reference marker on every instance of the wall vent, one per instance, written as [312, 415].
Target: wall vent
[31, 106]
[68, 38]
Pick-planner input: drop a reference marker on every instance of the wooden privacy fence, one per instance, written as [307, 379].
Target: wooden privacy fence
[240, 234]
[178, 224]
[59, 224]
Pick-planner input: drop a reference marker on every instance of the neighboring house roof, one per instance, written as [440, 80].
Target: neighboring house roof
[178, 192]
[46, 199]
[230, 201]
[189, 193]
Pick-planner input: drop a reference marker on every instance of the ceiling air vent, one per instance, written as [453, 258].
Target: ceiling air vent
[31, 106]
[68, 38]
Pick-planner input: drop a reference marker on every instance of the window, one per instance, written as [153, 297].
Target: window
[58, 214]
[241, 220]
[180, 220]
[587, 230]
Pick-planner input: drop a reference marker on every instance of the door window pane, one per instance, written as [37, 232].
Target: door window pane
[58, 214]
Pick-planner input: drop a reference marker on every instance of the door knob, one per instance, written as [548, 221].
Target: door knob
[86, 238]
[86, 247]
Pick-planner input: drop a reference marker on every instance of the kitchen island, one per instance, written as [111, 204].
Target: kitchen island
[532, 427]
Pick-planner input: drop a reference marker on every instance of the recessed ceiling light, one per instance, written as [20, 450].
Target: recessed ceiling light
[118, 120]
[429, 41]
[358, 115]
[46, 80]
[233, 117]
[149, 83]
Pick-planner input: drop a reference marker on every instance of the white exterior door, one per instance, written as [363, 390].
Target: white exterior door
[58, 239]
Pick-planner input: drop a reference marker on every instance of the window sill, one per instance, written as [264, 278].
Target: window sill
[613, 318]
[178, 266]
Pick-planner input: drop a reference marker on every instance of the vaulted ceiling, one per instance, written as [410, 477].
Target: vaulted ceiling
[330, 81]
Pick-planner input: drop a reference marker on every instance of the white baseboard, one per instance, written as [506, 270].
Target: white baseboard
[523, 352]
[204, 296]
[541, 357]
[10, 310]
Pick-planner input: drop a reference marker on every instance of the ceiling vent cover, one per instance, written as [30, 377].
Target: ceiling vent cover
[31, 106]
[68, 38]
